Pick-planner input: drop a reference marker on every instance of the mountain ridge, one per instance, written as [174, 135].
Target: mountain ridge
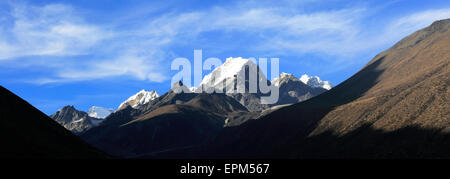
[403, 91]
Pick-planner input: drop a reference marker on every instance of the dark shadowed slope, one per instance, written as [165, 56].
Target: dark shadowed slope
[396, 106]
[217, 103]
[167, 128]
[26, 132]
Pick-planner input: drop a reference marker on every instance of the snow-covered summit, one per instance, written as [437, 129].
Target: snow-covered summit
[192, 89]
[282, 78]
[228, 71]
[99, 112]
[140, 98]
[315, 81]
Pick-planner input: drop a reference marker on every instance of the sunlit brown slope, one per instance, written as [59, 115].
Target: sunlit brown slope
[396, 106]
[26, 132]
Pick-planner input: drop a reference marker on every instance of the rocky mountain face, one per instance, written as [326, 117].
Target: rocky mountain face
[74, 120]
[26, 132]
[394, 107]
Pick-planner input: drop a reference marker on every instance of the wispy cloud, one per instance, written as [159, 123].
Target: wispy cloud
[138, 51]
[130, 64]
[57, 31]
[48, 30]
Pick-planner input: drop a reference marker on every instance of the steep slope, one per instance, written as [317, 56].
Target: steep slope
[26, 132]
[217, 103]
[396, 106]
[169, 127]
[74, 120]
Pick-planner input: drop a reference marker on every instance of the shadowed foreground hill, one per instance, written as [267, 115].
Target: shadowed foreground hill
[26, 132]
[396, 106]
[166, 128]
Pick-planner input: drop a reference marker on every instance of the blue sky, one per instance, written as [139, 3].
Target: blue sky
[85, 53]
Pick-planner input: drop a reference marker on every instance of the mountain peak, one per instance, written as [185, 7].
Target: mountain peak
[99, 112]
[228, 70]
[284, 77]
[140, 98]
[72, 119]
[68, 107]
[314, 81]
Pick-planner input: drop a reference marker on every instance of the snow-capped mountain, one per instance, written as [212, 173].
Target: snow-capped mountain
[99, 112]
[140, 98]
[293, 90]
[228, 71]
[315, 81]
[192, 89]
[283, 78]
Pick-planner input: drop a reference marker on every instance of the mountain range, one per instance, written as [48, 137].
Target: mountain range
[396, 106]
[292, 90]
[122, 134]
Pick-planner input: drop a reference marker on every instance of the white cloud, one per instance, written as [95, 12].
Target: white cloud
[290, 24]
[138, 50]
[139, 66]
[281, 28]
[47, 30]
[56, 30]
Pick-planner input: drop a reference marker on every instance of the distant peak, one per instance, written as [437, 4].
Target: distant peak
[179, 87]
[68, 107]
[177, 84]
[284, 77]
[192, 89]
[228, 70]
[99, 112]
[283, 74]
[140, 98]
[235, 59]
[314, 81]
